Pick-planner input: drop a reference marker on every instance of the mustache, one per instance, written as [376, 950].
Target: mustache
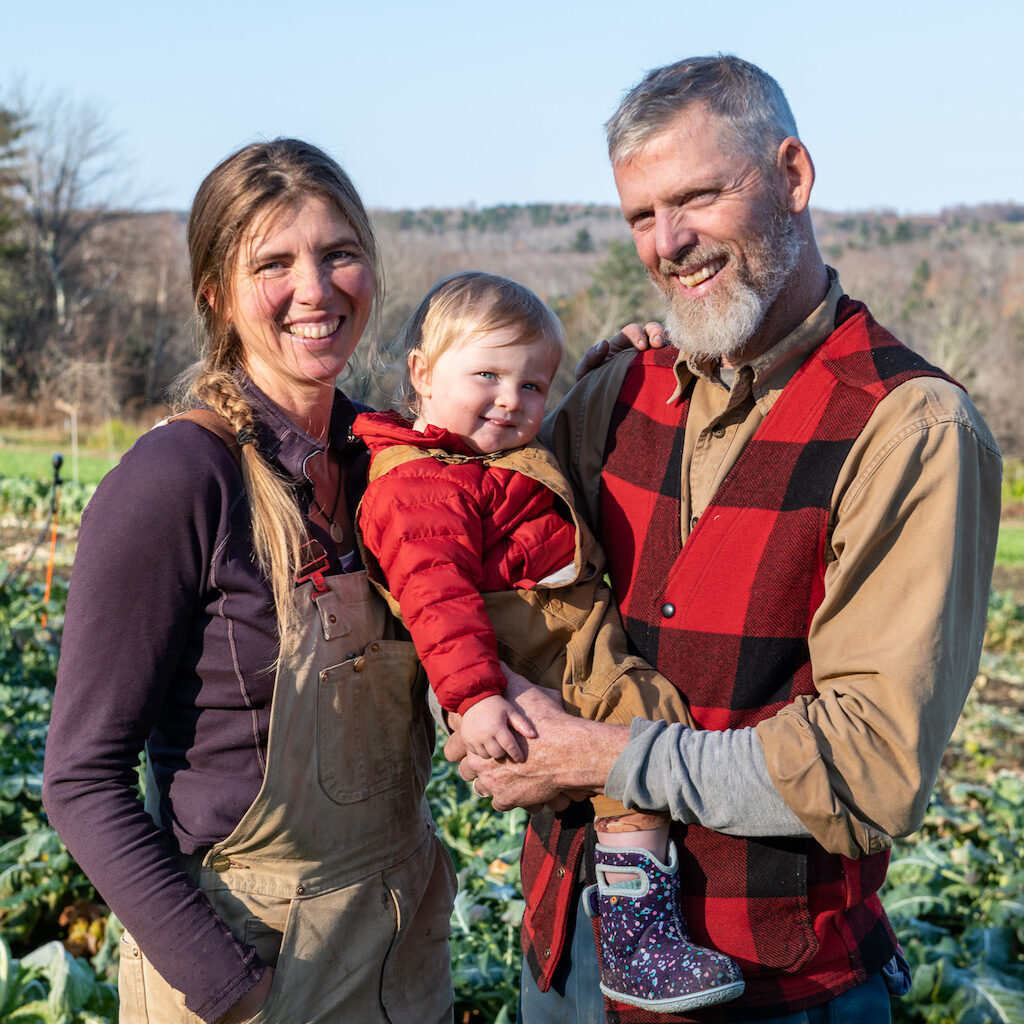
[693, 260]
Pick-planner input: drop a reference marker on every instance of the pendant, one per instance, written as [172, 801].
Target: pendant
[336, 532]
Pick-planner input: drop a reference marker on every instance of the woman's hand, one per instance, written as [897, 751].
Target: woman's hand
[651, 335]
[251, 1003]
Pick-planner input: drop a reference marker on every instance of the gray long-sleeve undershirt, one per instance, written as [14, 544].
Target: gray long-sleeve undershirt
[716, 779]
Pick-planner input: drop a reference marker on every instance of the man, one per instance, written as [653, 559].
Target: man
[800, 518]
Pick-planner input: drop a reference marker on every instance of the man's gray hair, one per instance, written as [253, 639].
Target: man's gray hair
[750, 103]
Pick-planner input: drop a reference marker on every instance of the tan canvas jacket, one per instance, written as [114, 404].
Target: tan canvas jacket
[896, 641]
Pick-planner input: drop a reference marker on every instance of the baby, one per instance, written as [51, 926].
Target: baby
[470, 531]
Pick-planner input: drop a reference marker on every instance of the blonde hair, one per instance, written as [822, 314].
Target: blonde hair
[234, 199]
[471, 302]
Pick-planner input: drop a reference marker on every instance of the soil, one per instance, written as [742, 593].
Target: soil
[1009, 578]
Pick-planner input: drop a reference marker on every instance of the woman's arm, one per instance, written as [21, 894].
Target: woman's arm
[144, 552]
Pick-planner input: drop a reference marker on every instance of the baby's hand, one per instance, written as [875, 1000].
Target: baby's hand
[487, 726]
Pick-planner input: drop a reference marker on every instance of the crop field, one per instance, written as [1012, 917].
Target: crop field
[955, 892]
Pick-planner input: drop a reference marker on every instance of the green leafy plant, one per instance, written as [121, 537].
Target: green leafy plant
[954, 892]
[955, 895]
[49, 986]
[484, 845]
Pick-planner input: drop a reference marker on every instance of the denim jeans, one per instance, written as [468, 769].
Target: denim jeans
[575, 998]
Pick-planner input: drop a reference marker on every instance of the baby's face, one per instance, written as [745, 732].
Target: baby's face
[488, 388]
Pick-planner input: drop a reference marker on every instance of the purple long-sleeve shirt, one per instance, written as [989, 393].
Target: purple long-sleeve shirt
[170, 639]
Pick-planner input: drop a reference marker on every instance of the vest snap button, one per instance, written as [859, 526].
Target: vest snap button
[718, 430]
[668, 609]
[221, 862]
[561, 872]
[359, 665]
[300, 890]
[547, 953]
[375, 647]
[693, 522]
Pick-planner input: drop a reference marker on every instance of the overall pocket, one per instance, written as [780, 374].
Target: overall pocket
[370, 732]
[332, 949]
[143, 995]
[417, 983]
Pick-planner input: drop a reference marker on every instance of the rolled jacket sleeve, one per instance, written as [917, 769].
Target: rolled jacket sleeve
[895, 643]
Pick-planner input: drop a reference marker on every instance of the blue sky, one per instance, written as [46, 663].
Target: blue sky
[909, 106]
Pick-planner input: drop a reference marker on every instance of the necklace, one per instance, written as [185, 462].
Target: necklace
[336, 531]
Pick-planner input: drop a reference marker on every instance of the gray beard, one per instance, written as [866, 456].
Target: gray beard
[722, 325]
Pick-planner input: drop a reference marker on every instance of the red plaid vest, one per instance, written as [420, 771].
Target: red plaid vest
[804, 925]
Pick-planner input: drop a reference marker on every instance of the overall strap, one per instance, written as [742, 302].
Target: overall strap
[215, 423]
[396, 455]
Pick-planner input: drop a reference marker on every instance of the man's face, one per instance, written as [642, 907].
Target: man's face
[715, 236]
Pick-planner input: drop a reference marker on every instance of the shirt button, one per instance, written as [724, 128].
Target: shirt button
[221, 862]
[668, 609]
[718, 430]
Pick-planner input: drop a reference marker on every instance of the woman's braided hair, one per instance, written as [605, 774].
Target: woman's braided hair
[235, 199]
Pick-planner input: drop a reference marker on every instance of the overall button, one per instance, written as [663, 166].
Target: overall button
[221, 862]
[668, 609]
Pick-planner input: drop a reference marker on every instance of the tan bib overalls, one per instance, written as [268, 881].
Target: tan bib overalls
[334, 873]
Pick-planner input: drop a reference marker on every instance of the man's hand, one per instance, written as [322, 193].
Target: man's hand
[568, 756]
[650, 335]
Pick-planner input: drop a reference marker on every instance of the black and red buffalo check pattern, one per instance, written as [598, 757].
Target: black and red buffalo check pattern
[803, 924]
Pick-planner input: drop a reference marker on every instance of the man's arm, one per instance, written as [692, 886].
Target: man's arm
[896, 641]
[715, 779]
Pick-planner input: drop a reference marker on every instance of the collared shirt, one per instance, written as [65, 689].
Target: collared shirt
[895, 644]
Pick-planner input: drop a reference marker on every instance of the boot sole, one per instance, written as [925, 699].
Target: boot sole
[707, 997]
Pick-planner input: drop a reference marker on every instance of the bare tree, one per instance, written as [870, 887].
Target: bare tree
[64, 184]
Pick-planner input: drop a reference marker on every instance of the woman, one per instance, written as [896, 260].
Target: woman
[287, 868]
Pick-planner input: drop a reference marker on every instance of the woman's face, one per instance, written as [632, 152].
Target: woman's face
[301, 295]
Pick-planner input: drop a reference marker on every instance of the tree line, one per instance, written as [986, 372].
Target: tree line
[95, 311]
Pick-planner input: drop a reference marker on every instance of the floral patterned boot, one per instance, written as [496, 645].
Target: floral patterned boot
[647, 957]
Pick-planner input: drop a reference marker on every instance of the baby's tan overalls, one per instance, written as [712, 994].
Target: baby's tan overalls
[334, 873]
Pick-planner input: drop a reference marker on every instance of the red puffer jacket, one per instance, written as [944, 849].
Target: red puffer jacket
[446, 532]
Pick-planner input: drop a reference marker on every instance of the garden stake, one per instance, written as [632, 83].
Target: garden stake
[58, 461]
